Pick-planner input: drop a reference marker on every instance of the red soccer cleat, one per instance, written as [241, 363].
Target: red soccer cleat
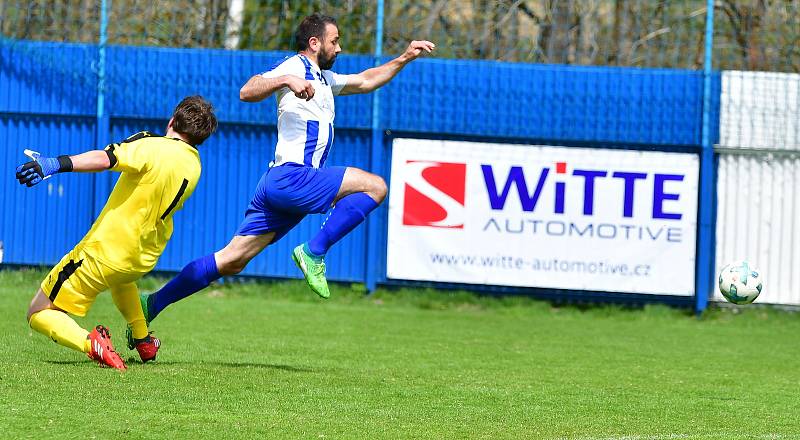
[148, 348]
[102, 350]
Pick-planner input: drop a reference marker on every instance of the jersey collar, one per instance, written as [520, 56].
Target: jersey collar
[308, 60]
[182, 141]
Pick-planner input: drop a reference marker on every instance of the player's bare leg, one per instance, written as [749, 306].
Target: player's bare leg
[233, 258]
[359, 181]
[359, 194]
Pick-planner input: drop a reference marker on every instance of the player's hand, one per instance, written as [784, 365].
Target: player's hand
[415, 49]
[302, 88]
[40, 168]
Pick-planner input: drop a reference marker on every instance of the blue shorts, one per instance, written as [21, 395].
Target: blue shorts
[285, 194]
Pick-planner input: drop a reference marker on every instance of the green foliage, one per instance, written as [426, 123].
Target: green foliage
[270, 25]
[271, 360]
[749, 34]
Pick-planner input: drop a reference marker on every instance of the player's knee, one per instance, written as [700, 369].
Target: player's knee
[379, 189]
[31, 311]
[38, 303]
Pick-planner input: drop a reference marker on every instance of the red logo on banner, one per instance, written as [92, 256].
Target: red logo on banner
[434, 194]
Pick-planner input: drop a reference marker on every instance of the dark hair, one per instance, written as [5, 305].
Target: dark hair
[311, 26]
[194, 118]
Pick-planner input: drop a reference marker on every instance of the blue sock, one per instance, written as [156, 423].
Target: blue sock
[315, 257]
[348, 213]
[194, 277]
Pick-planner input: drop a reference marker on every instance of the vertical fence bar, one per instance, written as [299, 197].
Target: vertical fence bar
[102, 116]
[102, 128]
[374, 224]
[705, 252]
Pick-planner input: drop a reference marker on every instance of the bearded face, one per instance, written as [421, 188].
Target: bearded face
[329, 47]
[326, 57]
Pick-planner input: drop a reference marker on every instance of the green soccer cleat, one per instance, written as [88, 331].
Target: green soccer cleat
[312, 270]
[129, 330]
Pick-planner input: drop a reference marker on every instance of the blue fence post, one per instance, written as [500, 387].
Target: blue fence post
[705, 243]
[376, 163]
[103, 125]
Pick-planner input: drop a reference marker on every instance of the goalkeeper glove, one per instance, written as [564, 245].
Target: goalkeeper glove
[40, 168]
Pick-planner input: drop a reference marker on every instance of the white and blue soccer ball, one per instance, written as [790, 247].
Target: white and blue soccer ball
[740, 282]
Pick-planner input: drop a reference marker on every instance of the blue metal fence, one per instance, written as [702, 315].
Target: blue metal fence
[38, 227]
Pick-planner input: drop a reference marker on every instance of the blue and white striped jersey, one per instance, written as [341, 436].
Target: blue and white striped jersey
[305, 128]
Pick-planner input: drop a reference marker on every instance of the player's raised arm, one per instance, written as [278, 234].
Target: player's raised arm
[95, 160]
[375, 77]
[40, 168]
[259, 88]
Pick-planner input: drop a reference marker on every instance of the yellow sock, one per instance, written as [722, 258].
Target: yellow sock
[62, 329]
[126, 298]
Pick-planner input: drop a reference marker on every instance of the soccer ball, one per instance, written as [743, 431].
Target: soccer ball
[740, 283]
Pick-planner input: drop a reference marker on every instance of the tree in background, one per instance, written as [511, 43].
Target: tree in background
[749, 34]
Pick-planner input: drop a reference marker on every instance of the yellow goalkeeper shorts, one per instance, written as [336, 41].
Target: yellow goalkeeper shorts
[74, 283]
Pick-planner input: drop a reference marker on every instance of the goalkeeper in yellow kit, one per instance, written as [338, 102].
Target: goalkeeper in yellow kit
[158, 174]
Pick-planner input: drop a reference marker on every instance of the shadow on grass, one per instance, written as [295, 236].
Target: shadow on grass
[240, 365]
[129, 362]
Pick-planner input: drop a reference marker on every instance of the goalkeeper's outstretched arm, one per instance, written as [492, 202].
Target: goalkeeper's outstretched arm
[90, 161]
[40, 168]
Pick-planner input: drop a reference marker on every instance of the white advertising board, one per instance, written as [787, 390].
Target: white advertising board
[543, 216]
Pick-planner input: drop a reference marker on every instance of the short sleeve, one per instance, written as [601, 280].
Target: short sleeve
[336, 81]
[129, 156]
[285, 66]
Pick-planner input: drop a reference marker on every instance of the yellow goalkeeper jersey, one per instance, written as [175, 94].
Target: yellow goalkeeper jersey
[158, 175]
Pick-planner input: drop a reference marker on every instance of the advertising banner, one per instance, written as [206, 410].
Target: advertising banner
[543, 216]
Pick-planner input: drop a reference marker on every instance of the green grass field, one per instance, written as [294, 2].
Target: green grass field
[270, 360]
